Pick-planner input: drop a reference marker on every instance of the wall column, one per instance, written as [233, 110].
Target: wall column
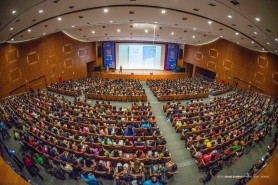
[193, 70]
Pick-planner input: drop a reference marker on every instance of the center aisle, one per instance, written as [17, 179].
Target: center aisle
[186, 166]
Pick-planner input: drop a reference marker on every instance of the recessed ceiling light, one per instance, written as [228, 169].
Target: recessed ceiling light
[257, 19]
[263, 49]
[193, 36]
[237, 33]
[267, 43]
[40, 11]
[255, 33]
[146, 31]
[276, 39]
[73, 26]
[155, 22]
[93, 32]
[11, 29]
[12, 39]
[163, 11]
[43, 33]
[194, 28]
[13, 11]
[172, 33]
[118, 30]
[252, 42]
[59, 18]
[209, 22]
[29, 30]
[105, 10]
[229, 16]
[111, 21]
[221, 36]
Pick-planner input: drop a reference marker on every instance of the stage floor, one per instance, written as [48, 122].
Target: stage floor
[139, 74]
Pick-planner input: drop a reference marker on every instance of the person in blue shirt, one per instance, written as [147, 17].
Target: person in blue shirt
[152, 181]
[145, 125]
[90, 179]
[129, 131]
[4, 131]
[11, 153]
[139, 142]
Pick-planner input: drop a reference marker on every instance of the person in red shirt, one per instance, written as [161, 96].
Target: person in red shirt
[31, 166]
[177, 118]
[32, 143]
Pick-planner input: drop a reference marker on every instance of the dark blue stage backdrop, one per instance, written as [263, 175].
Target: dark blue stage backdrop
[172, 56]
[109, 54]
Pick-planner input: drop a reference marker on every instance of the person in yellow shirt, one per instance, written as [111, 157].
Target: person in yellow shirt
[178, 124]
[208, 144]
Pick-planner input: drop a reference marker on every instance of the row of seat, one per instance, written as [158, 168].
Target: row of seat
[141, 98]
[182, 97]
[65, 92]
[215, 93]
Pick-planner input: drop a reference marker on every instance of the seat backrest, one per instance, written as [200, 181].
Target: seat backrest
[129, 149]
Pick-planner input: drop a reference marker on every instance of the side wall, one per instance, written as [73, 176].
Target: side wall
[42, 61]
[8, 176]
[231, 62]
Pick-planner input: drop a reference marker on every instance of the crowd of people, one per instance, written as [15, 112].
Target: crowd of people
[80, 140]
[223, 129]
[99, 86]
[184, 86]
[87, 141]
[73, 86]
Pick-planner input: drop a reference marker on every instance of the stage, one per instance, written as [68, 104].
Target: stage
[142, 75]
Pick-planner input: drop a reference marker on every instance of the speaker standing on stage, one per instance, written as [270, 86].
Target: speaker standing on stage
[121, 69]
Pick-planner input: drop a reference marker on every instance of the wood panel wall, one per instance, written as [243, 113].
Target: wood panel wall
[42, 61]
[8, 176]
[256, 70]
[268, 175]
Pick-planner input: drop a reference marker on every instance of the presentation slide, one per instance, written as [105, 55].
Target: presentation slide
[140, 56]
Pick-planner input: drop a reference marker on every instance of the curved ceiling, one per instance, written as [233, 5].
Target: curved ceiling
[251, 24]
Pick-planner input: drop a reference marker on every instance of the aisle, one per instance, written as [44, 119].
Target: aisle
[186, 166]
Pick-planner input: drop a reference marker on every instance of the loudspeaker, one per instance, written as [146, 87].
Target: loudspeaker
[180, 53]
[151, 73]
[132, 73]
[99, 51]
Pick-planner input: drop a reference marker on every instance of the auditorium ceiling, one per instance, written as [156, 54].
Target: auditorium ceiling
[252, 24]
